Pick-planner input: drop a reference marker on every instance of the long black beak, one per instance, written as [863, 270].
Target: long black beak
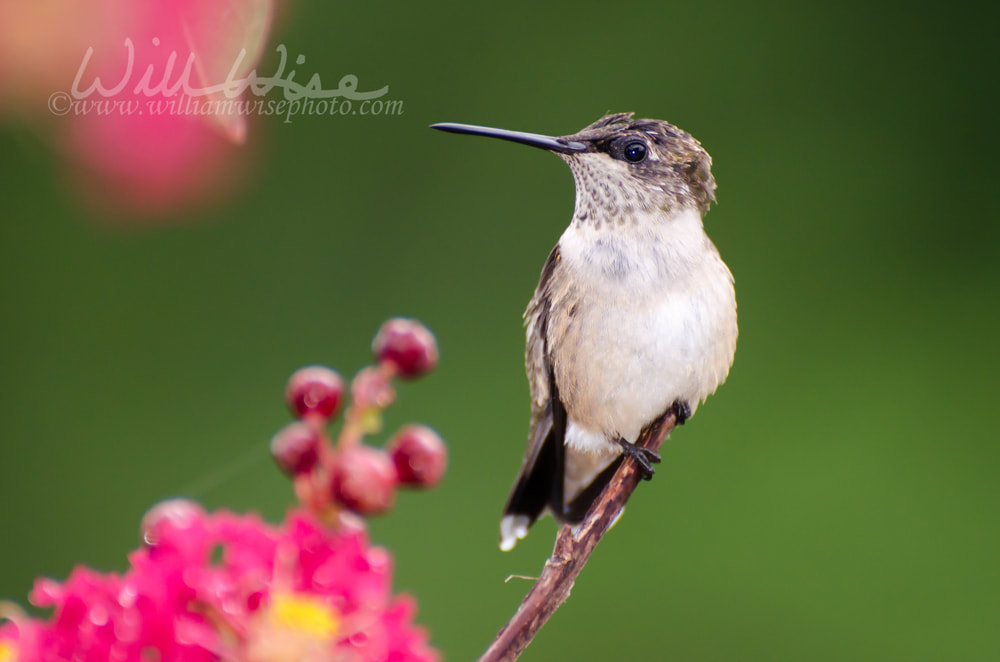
[550, 143]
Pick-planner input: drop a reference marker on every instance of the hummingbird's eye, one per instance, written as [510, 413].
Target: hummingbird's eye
[635, 151]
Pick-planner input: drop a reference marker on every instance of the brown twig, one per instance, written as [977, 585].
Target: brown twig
[571, 553]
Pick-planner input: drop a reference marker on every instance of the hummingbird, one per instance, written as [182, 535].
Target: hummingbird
[633, 318]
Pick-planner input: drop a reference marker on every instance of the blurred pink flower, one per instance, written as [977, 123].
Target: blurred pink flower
[222, 586]
[133, 160]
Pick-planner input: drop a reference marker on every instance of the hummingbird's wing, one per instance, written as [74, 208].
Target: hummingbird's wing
[536, 353]
[539, 484]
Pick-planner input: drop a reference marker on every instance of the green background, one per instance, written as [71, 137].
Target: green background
[836, 500]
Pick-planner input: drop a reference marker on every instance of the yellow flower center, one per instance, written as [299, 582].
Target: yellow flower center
[301, 613]
[8, 652]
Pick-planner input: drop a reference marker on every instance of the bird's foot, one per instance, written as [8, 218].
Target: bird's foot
[643, 456]
[681, 411]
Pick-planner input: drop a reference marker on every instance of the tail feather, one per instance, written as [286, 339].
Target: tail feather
[538, 487]
[541, 484]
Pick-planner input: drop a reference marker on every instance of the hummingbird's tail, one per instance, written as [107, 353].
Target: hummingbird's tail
[538, 486]
[548, 474]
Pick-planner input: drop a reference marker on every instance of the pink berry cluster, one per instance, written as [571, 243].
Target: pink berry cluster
[348, 474]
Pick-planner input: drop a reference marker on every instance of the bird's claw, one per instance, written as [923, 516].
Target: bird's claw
[681, 411]
[644, 457]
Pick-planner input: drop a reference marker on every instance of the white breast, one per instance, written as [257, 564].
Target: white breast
[652, 320]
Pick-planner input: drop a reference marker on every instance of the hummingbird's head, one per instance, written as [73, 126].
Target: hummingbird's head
[623, 165]
[640, 164]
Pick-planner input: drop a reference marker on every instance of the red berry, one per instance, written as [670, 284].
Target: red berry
[407, 344]
[296, 448]
[314, 389]
[364, 480]
[420, 456]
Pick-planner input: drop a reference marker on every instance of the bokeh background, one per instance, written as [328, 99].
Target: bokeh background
[837, 499]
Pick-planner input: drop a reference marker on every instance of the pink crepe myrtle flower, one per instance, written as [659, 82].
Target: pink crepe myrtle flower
[228, 587]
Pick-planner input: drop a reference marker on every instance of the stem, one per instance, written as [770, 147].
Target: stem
[371, 393]
[571, 553]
